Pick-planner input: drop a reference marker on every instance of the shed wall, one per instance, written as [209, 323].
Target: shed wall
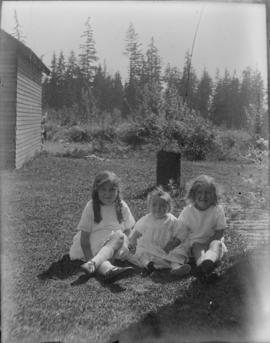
[8, 80]
[29, 114]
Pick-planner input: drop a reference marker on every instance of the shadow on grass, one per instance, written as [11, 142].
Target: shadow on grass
[65, 268]
[62, 269]
[203, 313]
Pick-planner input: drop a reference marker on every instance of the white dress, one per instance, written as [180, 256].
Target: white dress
[200, 226]
[156, 233]
[99, 233]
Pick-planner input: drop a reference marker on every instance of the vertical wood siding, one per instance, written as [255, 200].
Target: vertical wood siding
[28, 124]
[8, 71]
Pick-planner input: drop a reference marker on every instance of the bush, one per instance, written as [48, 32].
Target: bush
[199, 143]
[231, 144]
[51, 130]
[139, 133]
[105, 134]
[78, 134]
[195, 138]
[73, 134]
[64, 116]
[131, 134]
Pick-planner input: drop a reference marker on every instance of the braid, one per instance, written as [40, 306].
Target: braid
[118, 208]
[96, 207]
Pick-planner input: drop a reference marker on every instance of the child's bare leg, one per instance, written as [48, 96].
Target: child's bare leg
[198, 252]
[113, 244]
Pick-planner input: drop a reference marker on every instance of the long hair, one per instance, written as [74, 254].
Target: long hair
[202, 180]
[159, 192]
[100, 179]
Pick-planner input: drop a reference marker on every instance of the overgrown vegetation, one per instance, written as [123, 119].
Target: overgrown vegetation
[195, 137]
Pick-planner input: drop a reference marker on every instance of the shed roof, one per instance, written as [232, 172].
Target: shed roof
[24, 51]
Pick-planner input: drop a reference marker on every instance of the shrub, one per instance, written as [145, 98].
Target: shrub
[199, 143]
[104, 133]
[51, 130]
[195, 138]
[231, 144]
[77, 134]
[64, 116]
[139, 133]
[131, 134]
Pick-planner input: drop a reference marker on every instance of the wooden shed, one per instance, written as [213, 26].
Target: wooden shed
[20, 102]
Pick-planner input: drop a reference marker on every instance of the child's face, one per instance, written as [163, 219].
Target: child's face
[107, 193]
[158, 207]
[204, 198]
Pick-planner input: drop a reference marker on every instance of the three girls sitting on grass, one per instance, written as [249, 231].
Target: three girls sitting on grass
[158, 240]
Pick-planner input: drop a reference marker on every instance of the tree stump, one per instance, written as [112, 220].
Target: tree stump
[168, 168]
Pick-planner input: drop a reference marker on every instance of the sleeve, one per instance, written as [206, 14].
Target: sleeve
[221, 219]
[184, 216]
[87, 218]
[180, 230]
[140, 225]
[129, 220]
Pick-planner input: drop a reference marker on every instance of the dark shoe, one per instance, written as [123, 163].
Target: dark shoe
[117, 273]
[212, 278]
[205, 268]
[182, 270]
[150, 268]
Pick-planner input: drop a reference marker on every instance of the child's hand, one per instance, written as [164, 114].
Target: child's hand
[132, 247]
[135, 235]
[172, 244]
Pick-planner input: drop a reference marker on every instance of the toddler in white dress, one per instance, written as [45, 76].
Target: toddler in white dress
[154, 239]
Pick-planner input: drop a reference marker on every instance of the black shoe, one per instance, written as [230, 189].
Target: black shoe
[212, 278]
[150, 268]
[117, 273]
[205, 268]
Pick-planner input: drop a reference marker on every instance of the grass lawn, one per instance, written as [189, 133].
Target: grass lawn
[41, 206]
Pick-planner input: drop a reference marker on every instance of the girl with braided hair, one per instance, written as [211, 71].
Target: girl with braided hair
[102, 231]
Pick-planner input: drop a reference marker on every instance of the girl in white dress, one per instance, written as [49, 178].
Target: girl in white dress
[204, 222]
[154, 239]
[102, 231]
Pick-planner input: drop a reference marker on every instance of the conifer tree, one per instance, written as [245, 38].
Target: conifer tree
[72, 81]
[87, 62]
[189, 83]
[172, 97]
[133, 91]
[134, 54]
[51, 84]
[204, 94]
[151, 81]
[88, 56]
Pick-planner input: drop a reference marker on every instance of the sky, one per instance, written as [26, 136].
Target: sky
[230, 35]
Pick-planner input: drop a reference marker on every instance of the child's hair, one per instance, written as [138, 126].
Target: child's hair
[100, 179]
[202, 180]
[158, 191]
